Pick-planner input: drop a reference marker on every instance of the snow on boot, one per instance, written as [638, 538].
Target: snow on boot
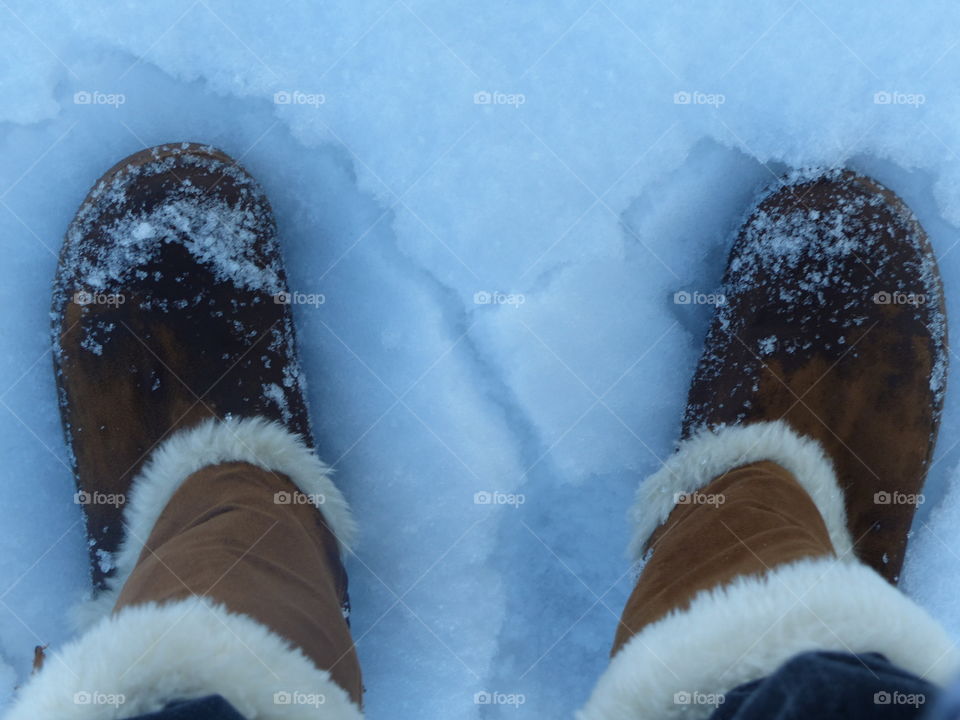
[834, 323]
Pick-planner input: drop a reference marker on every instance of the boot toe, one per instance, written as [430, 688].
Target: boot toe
[188, 195]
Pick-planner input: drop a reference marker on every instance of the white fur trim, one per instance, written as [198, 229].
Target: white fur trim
[744, 631]
[150, 655]
[710, 453]
[257, 441]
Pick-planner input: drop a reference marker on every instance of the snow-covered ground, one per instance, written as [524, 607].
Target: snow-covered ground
[497, 202]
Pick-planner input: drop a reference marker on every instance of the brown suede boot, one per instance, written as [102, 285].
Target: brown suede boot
[165, 313]
[834, 321]
[809, 427]
[216, 531]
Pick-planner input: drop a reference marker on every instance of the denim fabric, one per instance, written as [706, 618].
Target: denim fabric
[211, 707]
[831, 686]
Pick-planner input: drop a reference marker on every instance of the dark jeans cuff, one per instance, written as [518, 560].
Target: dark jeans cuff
[831, 686]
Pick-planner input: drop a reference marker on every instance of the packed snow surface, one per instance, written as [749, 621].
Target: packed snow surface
[512, 213]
